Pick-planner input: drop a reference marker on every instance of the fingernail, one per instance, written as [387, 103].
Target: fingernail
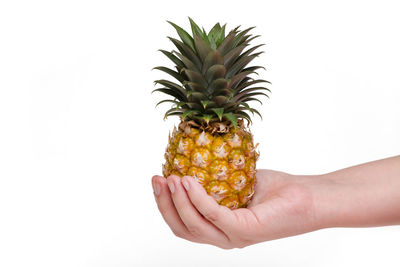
[171, 187]
[156, 188]
[185, 183]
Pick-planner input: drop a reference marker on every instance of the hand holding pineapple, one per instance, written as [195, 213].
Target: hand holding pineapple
[283, 205]
[211, 94]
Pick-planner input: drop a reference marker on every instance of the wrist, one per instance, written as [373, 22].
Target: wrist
[315, 192]
[327, 196]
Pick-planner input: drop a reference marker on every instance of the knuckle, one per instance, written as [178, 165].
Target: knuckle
[244, 242]
[194, 230]
[178, 233]
[226, 246]
[241, 245]
[212, 216]
[240, 242]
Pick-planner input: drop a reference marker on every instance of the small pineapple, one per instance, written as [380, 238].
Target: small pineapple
[211, 98]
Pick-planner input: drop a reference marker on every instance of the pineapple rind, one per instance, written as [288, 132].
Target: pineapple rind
[224, 164]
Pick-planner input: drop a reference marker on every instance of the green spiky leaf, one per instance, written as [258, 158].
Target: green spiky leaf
[196, 77]
[227, 43]
[215, 33]
[235, 80]
[196, 96]
[248, 108]
[187, 62]
[194, 106]
[232, 118]
[253, 68]
[173, 58]
[207, 117]
[185, 37]
[215, 72]
[225, 92]
[168, 100]
[192, 86]
[249, 83]
[251, 99]
[171, 85]
[177, 113]
[241, 37]
[213, 44]
[187, 52]
[257, 112]
[202, 47]
[219, 112]
[213, 58]
[172, 110]
[239, 65]
[205, 103]
[173, 73]
[250, 50]
[176, 94]
[244, 115]
[232, 55]
[252, 89]
[241, 97]
[218, 84]
[222, 35]
[187, 113]
[196, 30]
[220, 100]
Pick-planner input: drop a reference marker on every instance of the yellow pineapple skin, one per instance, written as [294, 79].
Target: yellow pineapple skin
[224, 164]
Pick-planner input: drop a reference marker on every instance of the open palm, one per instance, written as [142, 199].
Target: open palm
[282, 206]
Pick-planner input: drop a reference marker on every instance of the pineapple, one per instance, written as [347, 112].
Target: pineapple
[210, 95]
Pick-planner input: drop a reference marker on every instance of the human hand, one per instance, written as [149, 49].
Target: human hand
[281, 206]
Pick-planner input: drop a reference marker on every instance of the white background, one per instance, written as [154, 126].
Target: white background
[80, 137]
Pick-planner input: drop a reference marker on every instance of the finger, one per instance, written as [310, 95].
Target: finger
[220, 216]
[168, 210]
[197, 225]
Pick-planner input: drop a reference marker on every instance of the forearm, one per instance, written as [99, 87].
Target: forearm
[359, 196]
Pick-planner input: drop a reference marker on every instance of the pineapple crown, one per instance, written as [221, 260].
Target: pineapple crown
[214, 83]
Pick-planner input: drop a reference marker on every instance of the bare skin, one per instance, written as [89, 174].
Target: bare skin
[283, 204]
